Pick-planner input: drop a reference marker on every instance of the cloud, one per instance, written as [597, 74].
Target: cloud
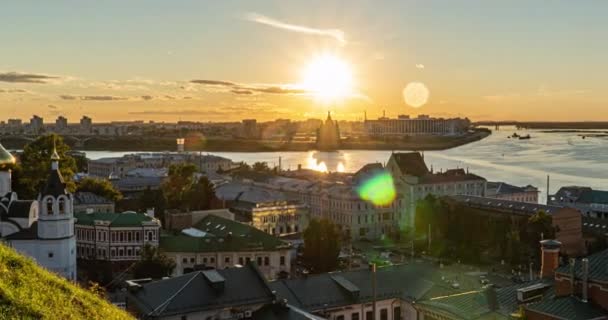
[13, 91]
[16, 77]
[214, 82]
[50, 106]
[419, 66]
[241, 91]
[276, 90]
[169, 112]
[92, 98]
[249, 89]
[337, 34]
[147, 97]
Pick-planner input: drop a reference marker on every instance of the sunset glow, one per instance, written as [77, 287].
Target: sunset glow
[328, 78]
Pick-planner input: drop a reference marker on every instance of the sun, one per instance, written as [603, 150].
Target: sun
[328, 78]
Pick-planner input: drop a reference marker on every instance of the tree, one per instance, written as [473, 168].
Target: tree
[539, 226]
[153, 264]
[321, 245]
[200, 195]
[154, 199]
[260, 167]
[35, 162]
[184, 192]
[100, 187]
[178, 183]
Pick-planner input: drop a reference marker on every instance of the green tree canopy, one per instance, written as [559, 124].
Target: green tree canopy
[154, 199]
[184, 191]
[153, 264]
[32, 170]
[321, 245]
[100, 187]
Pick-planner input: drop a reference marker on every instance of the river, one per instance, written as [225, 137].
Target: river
[565, 156]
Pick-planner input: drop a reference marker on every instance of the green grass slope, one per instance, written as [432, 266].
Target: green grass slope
[28, 291]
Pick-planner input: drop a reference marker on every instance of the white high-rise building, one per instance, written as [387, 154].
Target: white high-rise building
[44, 228]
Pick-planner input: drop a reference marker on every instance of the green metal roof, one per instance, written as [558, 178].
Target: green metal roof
[221, 235]
[569, 308]
[594, 196]
[125, 219]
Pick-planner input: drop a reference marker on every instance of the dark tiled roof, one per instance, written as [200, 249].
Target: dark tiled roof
[598, 267]
[19, 208]
[344, 288]
[90, 198]
[125, 219]
[452, 175]
[411, 163]
[55, 185]
[222, 235]
[196, 291]
[25, 234]
[567, 308]
[505, 205]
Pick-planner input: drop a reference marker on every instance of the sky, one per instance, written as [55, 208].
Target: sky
[232, 60]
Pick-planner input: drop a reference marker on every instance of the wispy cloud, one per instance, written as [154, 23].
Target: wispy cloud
[419, 66]
[337, 34]
[13, 91]
[248, 89]
[16, 77]
[92, 98]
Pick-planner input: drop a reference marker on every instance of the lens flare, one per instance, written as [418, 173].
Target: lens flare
[379, 189]
[416, 94]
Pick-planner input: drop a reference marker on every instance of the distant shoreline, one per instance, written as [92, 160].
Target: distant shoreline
[143, 144]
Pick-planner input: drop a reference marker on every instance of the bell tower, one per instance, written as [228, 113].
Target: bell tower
[56, 222]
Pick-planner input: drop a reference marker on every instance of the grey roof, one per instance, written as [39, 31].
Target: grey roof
[344, 288]
[194, 292]
[451, 175]
[17, 208]
[281, 311]
[83, 197]
[598, 267]
[567, 308]
[502, 188]
[570, 193]
[524, 208]
[235, 191]
[594, 196]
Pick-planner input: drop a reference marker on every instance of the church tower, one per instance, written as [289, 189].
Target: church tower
[56, 224]
[6, 161]
[328, 135]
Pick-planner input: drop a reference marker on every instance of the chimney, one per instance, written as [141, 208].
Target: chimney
[585, 279]
[572, 274]
[492, 298]
[549, 257]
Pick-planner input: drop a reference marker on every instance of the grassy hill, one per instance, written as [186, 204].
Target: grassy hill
[28, 291]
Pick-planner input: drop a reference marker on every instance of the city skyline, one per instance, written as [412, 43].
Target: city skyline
[234, 60]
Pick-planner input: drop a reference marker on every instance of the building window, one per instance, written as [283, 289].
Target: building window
[149, 235]
[50, 254]
[227, 260]
[354, 316]
[368, 315]
[49, 206]
[397, 313]
[241, 260]
[129, 236]
[137, 236]
[266, 261]
[212, 260]
[61, 204]
[340, 317]
[282, 260]
[383, 314]
[260, 261]
[205, 260]
[184, 260]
